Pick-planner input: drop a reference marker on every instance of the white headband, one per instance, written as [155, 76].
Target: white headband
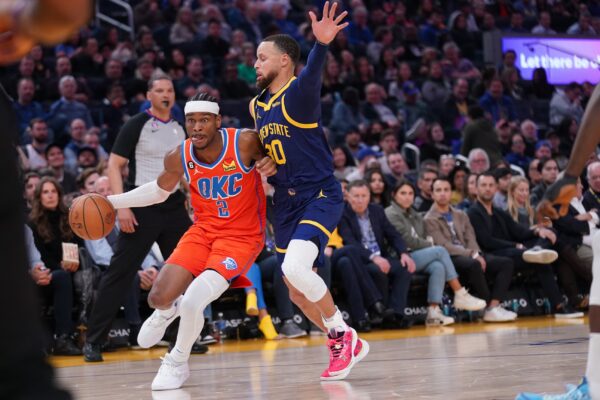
[201, 106]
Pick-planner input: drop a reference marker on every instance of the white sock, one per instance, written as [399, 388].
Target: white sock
[336, 322]
[169, 312]
[593, 365]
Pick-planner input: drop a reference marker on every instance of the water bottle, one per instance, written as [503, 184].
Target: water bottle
[547, 306]
[515, 306]
[446, 307]
[219, 328]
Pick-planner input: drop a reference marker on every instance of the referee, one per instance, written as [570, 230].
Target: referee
[141, 145]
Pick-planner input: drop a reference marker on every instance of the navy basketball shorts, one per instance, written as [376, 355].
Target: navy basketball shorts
[307, 214]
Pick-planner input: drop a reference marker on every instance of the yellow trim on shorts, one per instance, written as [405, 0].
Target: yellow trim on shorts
[294, 122]
[267, 107]
[318, 225]
[283, 251]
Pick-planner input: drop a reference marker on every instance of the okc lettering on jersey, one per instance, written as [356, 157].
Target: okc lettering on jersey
[273, 128]
[220, 187]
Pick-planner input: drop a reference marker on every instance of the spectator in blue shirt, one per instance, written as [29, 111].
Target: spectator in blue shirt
[25, 108]
[517, 152]
[66, 109]
[496, 103]
[358, 31]
[431, 31]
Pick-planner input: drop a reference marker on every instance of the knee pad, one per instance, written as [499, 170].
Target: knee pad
[297, 268]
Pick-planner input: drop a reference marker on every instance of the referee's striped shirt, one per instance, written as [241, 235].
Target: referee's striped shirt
[144, 140]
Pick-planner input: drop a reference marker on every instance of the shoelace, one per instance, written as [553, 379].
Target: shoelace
[336, 347]
[169, 366]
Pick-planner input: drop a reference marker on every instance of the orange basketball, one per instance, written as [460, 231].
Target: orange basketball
[92, 216]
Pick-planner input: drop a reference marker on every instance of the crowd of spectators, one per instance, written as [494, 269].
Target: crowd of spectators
[457, 151]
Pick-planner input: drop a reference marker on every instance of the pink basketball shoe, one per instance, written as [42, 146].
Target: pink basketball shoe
[344, 352]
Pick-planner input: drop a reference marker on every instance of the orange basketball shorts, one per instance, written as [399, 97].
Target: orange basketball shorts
[229, 255]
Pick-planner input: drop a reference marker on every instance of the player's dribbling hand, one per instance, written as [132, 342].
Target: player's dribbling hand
[127, 221]
[266, 166]
[559, 193]
[326, 29]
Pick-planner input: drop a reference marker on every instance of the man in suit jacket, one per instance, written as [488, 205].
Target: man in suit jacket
[366, 227]
[499, 234]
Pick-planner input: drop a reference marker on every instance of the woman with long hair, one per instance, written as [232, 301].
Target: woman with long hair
[539, 86]
[519, 204]
[332, 81]
[569, 263]
[343, 162]
[429, 259]
[458, 180]
[49, 222]
[470, 193]
[380, 193]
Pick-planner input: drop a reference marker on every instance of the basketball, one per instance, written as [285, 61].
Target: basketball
[92, 216]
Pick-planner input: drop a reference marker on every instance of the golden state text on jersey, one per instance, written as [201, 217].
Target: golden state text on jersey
[299, 149]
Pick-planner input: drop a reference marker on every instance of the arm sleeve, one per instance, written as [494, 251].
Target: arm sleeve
[129, 135]
[142, 196]
[306, 90]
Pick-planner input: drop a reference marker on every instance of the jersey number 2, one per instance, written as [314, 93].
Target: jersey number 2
[223, 210]
[275, 151]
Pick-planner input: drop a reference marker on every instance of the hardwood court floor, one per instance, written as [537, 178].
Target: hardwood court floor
[466, 361]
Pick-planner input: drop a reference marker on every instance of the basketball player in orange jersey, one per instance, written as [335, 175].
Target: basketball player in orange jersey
[556, 202]
[221, 167]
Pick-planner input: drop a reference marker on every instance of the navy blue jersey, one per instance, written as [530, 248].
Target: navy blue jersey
[289, 127]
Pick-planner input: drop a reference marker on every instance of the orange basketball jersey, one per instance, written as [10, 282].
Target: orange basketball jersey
[227, 196]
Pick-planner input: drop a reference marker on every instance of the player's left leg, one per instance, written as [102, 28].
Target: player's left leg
[203, 290]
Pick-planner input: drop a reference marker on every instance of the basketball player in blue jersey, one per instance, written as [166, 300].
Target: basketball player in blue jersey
[556, 202]
[308, 200]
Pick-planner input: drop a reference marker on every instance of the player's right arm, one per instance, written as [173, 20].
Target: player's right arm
[156, 191]
[562, 191]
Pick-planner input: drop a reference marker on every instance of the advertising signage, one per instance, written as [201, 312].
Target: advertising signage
[565, 59]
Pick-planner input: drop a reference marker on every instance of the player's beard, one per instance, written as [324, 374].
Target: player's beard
[266, 80]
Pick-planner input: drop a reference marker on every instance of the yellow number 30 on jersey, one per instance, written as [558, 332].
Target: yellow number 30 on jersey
[275, 151]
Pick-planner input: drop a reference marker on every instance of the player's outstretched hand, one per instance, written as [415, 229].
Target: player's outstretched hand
[266, 166]
[559, 193]
[326, 29]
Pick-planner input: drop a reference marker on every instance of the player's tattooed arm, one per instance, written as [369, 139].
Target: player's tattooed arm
[251, 150]
[171, 175]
